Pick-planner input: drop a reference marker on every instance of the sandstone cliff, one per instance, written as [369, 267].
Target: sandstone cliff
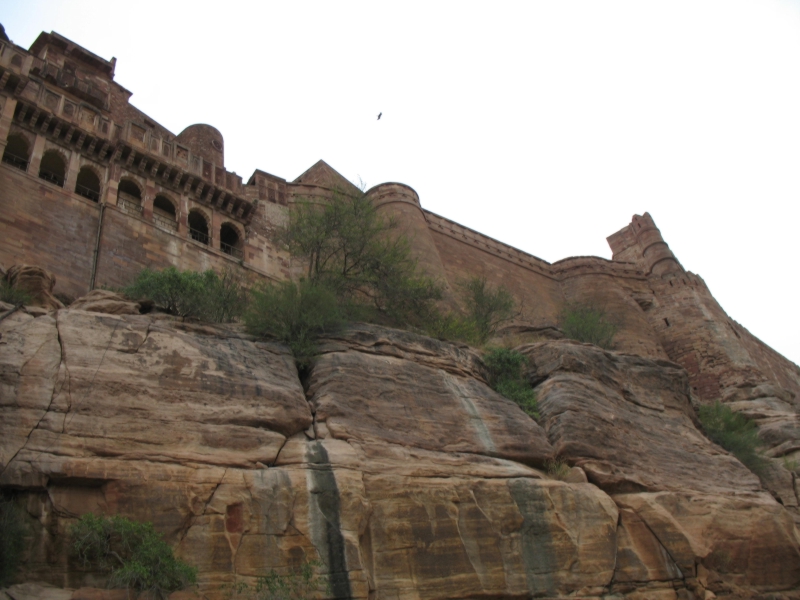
[393, 463]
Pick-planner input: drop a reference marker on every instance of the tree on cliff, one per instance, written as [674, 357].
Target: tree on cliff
[132, 553]
[347, 246]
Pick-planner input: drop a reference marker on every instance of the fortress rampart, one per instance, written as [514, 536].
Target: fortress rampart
[94, 190]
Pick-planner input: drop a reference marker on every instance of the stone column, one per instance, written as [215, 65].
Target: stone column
[6, 117]
[36, 155]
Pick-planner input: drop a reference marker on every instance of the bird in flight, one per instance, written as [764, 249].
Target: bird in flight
[379, 116]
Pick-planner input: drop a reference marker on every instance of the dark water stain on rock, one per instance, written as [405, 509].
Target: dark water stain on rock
[538, 552]
[325, 495]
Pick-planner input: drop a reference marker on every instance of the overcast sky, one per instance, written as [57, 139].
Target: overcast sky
[546, 125]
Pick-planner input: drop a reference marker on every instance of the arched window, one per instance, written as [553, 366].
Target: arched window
[53, 168]
[88, 184]
[129, 197]
[17, 153]
[229, 241]
[198, 227]
[164, 213]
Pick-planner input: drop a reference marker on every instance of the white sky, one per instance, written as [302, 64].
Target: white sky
[546, 125]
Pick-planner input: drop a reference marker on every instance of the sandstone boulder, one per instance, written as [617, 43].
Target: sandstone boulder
[36, 282]
[106, 301]
[628, 422]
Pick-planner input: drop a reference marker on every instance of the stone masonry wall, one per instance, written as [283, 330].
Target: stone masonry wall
[41, 224]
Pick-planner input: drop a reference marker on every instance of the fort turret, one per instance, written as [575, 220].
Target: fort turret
[401, 202]
[641, 243]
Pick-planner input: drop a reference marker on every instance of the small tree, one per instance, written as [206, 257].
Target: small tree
[734, 432]
[348, 247]
[294, 313]
[588, 324]
[206, 295]
[134, 555]
[487, 307]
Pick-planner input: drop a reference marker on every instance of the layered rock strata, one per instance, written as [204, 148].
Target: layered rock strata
[392, 463]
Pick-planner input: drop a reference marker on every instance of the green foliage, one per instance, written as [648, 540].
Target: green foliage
[13, 295]
[206, 296]
[557, 468]
[348, 247]
[588, 324]
[12, 532]
[294, 313]
[487, 307]
[298, 585]
[505, 377]
[134, 555]
[734, 432]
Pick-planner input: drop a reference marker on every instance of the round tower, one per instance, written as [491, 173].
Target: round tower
[657, 258]
[204, 140]
[400, 202]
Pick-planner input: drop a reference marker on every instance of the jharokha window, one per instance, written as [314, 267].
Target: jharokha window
[129, 197]
[17, 152]
[88, 184]
[53, 168]
[164, 214]
[198, 227]
[229, 240]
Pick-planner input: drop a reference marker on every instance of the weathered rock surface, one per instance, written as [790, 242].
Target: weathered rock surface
[37, 282]
[106, 301]
[683, 501]
[394, 464]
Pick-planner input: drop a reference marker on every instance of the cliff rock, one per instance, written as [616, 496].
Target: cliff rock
[392, 462]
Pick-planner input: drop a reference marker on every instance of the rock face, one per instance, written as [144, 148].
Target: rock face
[392, 463]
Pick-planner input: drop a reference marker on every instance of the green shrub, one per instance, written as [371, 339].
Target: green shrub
[487, 307]
[206, 296]
[734, 432]
[588, 324]
[294, 313]
[505, 377]
[298, 585]
[134, 555]
[12, 532]
[13, 295]
[557, 468]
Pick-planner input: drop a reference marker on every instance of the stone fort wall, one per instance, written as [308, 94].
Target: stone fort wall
[94, 190]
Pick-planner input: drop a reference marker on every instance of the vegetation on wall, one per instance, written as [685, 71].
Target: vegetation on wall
[12, 531]
[734, 432]
[357, 266]
[207, 296]
[347, 246]
[588, 324]
[485, 309]
[132, 553]
[506, 377]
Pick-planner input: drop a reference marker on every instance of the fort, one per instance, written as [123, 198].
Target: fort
[94, 190]
[390, 466]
